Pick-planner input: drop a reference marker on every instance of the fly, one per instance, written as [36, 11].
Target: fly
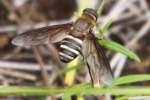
[76, 38]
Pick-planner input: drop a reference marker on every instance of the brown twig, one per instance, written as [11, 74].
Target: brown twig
[17, 74]
[44, 72]
[22, 66]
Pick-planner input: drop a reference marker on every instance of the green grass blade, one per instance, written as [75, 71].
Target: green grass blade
[83, 85]
[119, 48]
[131, 79]
[100, 8]
[39, 91]
[70, 75]
[75, 67]
[66, 97]
[80, 97]
[104, 28]
[122, 98]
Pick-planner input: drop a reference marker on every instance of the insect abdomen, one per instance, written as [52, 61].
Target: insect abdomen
[70, 48]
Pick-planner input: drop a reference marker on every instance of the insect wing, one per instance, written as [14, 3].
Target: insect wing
[42, 35]
[98, 65]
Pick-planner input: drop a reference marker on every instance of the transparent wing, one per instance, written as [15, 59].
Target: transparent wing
[98, 65]
[42, 35]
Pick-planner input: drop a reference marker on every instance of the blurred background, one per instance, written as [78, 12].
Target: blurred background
[34, 66]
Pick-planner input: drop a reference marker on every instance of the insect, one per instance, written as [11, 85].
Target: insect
[75, 39]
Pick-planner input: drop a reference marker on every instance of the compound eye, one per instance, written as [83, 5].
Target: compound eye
[91, 13]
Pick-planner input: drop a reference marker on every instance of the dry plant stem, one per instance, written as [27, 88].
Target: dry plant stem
[116, 10]
[143, 31]
[140, 34]
[133, 42]
[44, 72]
[144, 5]
[18, 56]
[18, 74]
[22, 66]
[143, 63]
[54, 54]
[8, 81]
[13, 53]
[120, 65]
[41, 63]
[10, 8]
[8, 28]
[133, 8]
[53, 51]
[139, 98]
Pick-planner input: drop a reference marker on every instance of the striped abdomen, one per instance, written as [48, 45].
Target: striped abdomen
[70, 48]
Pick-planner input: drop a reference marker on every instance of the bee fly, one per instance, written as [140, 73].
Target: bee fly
[75, 39]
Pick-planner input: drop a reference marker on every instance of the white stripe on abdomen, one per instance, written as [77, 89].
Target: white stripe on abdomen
[70, 48]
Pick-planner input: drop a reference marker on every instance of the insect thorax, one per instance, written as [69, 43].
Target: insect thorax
[70, 48]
